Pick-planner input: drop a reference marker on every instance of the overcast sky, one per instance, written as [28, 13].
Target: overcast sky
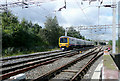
[77, 13]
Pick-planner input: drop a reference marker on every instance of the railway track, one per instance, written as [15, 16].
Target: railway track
[32, 62]
[28, 55]
[7, 59]
[17, 66]
[30, 59]
[72, 71]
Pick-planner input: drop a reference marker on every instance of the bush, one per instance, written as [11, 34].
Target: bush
[7, 40]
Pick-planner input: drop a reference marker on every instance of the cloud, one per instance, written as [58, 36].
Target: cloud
[75, 14]
[35, 13]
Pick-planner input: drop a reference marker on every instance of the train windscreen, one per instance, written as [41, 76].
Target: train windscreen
[63, 40]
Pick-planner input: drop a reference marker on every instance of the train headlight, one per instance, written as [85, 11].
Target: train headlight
[66, 44]
[63, 48]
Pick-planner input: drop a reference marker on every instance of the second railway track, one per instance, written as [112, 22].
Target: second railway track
[6, 68]
[73, 70]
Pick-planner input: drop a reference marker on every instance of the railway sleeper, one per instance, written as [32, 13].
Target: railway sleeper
[65, 67]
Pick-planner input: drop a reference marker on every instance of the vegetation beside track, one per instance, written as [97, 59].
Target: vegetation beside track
[117, 45]
[28, 52]
[22, 37]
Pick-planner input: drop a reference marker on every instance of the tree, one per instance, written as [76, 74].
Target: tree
[19, 34]
[36, 28]
[8, 20]
[26, 35]
[53, 31]
[118, 44]
[7, 40]
[9, 26]
[73, 33]
[110, 42]
[24, 24]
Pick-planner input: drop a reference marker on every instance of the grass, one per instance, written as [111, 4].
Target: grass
[116, 50]
[108, 62]
[27, 52]
[14, 54]
[54, 49]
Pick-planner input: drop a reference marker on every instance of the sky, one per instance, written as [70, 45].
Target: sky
[77, 13]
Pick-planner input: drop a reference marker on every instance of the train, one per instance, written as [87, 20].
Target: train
[66, 43]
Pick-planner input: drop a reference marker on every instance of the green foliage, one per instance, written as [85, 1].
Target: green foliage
[119, 46]
[73, 33]
[19, 35]
[52, 31]
[7, 40]
[22, 38]
[88, 39]
[9, 21]
[110, 42]
[26, 37]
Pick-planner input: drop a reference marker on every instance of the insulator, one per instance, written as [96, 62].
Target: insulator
[107, 5]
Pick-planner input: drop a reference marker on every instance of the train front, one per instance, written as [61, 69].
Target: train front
[64, 43]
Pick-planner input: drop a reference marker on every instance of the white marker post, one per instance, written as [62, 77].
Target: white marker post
[66, 30]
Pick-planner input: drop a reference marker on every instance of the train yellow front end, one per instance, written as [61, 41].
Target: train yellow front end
[64, 43]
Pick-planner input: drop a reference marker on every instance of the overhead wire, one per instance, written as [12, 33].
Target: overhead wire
[23, 4]
[20, 3]
[83, 11]
[28, 4]
[49, 13]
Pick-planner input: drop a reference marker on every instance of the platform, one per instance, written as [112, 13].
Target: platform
[106, 69]
[109, 70]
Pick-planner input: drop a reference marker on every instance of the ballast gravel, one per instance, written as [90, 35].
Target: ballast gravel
[35, 73]
[38, 61]
[28, 58]
[39, 71]
[72, 70]
[89, 74]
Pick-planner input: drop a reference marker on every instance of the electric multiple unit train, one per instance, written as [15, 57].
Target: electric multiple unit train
[66, 42]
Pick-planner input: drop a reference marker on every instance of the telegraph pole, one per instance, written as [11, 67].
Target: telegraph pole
[114, 28]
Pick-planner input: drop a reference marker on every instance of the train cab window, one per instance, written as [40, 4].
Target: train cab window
[63, 40]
